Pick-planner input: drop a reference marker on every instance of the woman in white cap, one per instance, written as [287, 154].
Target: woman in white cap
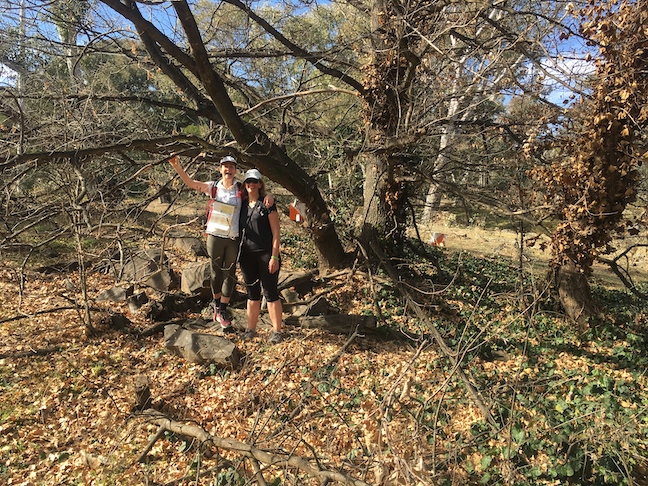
[260, 259]
[224, 209]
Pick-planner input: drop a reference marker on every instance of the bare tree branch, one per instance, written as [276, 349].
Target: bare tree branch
[264, 457]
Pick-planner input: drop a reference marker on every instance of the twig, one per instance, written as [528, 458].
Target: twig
[328, 367]
[32, 352]
[258, 474]
[619, 271]
[37, 313]
[218, 467]
[371, 284]
[149, 446]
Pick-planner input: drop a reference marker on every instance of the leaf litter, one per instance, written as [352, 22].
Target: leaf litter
[385, 411]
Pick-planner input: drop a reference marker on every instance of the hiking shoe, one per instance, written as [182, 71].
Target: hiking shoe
[275, 338]
[248, 334]
[223, 318]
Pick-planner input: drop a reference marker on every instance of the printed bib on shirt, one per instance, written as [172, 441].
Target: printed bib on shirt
[219, 218]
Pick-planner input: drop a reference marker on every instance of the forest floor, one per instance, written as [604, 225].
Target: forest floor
[66, 395]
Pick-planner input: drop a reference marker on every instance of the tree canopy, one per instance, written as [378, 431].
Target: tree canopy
[382, 105]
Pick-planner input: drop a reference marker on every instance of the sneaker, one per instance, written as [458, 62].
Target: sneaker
[223, 318]
[248, 334]
[275, 338]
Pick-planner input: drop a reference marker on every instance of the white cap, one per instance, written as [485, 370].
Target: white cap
[228, 158]
[252, 174]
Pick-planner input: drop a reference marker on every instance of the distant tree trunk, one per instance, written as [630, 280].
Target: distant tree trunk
[448, 136]
[575, 294]
[69, 15]
[435, 192]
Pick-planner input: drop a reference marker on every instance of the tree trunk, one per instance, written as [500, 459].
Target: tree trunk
[440, 170]
[435, 193]
[374, 212]
[575, 294]
[386, 101]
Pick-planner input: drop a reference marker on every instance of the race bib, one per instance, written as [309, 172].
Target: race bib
[219, 219]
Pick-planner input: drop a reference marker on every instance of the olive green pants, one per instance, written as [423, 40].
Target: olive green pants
[223, 253]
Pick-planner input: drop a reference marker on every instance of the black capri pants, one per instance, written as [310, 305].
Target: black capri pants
[254, 267]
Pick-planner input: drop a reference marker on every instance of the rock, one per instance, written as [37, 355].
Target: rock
[302, 282]
[290, 296]
[140, 265]
[119, 322]
[190, 244]
[157, 311]
[135, 302]
[115, 294]
[318, 307]
[141, 387]
[61, 267]
[291, 299]
[195, 276]
[160, 280]
[201, 348]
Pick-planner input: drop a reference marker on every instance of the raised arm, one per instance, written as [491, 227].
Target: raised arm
[193, 184]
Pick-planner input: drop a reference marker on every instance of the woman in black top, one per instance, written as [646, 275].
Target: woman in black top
[260, 260]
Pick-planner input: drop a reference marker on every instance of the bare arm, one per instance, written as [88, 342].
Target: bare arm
[273, 218]
[193, 184]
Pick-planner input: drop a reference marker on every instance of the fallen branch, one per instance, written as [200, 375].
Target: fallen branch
[246, 450]
[183, 479]
[149, 446]
[334, 323]
[332, 363]
[32, 352]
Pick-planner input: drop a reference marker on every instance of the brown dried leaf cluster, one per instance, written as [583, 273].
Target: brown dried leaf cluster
[594, 174]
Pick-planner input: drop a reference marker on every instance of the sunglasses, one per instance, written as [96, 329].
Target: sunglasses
[252, 181]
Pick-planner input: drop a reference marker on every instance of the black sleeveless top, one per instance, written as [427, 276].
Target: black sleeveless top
[255, 227]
